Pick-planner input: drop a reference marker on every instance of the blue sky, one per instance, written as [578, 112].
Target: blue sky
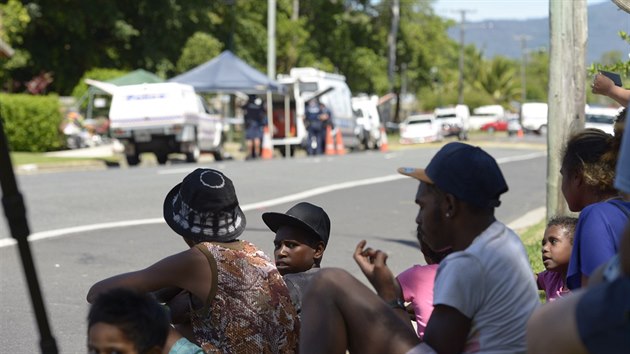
[497, 9]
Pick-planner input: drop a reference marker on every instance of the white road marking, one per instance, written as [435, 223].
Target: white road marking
[531, 156]
[5, 242]
[174, 171]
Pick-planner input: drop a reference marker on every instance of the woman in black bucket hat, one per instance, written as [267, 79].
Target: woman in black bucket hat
[237, 299]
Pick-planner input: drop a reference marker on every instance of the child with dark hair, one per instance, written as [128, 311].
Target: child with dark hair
[301, 237]
[557, 244]
[588, 171]
[416, 283]
[126, 322]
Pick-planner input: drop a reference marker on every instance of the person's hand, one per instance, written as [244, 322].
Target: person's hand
[602, 85]
[373, 265]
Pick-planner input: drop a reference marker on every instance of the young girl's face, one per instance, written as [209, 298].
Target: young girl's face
[556, 248]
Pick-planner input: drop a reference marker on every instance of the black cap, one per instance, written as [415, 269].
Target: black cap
[302, 215]
[466, 171]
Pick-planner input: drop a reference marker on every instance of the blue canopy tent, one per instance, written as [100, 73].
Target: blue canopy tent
[228, 73]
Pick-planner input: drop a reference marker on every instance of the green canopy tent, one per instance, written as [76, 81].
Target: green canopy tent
[139, 76]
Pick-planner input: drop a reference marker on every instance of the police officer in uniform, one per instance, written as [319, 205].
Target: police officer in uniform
[254, 124]
[315, 128]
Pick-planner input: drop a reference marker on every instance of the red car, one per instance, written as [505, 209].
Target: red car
[496, 126]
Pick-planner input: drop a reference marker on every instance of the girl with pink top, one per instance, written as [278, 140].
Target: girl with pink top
[416, 284]
[557, 244]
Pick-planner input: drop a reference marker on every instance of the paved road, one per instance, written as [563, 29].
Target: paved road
[364, 196]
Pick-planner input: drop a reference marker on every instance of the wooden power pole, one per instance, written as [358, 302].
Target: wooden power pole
[567, 96]
[391, 57]
[462, 31]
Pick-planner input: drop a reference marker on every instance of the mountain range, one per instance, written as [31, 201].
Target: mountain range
[500, 37]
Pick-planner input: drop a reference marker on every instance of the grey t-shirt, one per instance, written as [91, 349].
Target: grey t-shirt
[492, 283]
[297, 283]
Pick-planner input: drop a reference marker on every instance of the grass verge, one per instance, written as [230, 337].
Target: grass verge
[532, 237]
[25, 158]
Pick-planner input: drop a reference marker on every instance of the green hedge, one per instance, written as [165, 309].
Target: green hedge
[31, 123]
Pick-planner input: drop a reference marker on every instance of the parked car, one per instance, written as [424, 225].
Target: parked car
[602, 118]
[534, 117]
[420, 128]
[486, 114]
[454, 121]
[500, 125]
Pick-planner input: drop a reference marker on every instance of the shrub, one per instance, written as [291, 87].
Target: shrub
[31, 123]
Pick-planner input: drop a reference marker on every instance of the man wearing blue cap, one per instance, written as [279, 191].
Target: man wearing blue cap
[484, 291]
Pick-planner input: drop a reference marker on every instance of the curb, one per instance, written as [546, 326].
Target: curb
[90, 165]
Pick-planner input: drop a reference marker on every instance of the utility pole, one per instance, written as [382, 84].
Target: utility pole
[462, 29]
[295, 16]
[567, 97]
[523, 39]
[271, 56]
[391, 43]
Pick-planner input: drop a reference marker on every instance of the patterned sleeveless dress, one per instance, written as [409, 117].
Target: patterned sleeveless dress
[249, 309]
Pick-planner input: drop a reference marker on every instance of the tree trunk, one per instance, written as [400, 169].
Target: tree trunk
[567, 97]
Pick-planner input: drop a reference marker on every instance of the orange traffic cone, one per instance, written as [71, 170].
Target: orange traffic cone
[330, 144]
[519, 133]
[384, 146]
[267, 148]
[341, 149]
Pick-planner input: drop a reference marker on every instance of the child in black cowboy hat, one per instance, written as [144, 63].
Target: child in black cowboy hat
[301, 237]
[236, 298]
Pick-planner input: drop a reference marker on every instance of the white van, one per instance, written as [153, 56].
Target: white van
[486, 114]
[164, 118]
[534, 117]
[455, 121]
[304, 84]
[368, 120]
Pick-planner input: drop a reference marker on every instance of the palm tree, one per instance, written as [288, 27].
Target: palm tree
[500, 80]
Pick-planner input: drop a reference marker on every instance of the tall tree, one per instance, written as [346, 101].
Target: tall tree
[199, 48]
[14, 19]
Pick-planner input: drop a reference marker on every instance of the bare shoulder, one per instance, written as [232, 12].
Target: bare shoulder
[188, 260]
